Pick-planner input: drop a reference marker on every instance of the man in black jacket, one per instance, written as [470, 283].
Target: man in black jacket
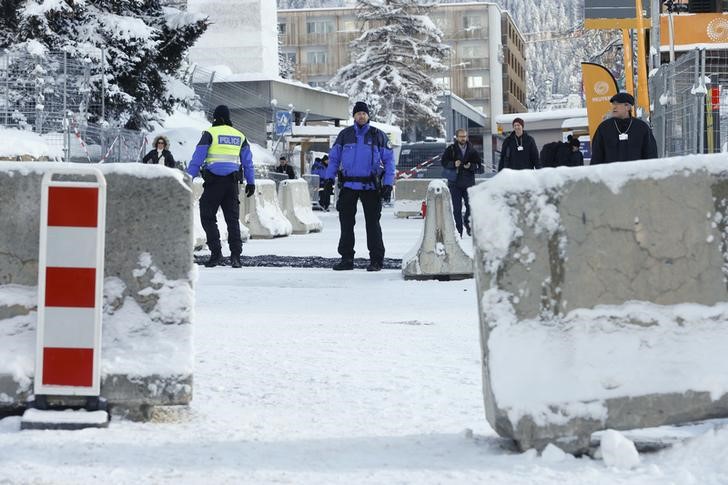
[519, 150]
[622, 138]
[462, 158]
[283, 167]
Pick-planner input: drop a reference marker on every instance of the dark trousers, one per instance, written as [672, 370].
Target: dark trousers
[221, 191]
[346, 205]
[460, 194]
[324, 197]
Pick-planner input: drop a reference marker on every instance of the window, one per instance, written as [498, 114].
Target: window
[475, 82]
[349, 26]
[472, 22]
[440, 22]
[282, 29]
[442, 82]
[290, 56]
[319, 27]
[472, 52]
[317, 57]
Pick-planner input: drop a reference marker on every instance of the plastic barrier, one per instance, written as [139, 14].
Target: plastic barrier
[295, 203]
[438, 254]
[409, 195]
[261, 213]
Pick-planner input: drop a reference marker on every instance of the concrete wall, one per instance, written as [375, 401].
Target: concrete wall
[148, 285]
[583, 280]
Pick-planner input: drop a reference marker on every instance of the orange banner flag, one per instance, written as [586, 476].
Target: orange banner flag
[599, 87]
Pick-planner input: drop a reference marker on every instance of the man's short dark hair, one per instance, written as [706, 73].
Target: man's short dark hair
[283, 157]
[461, 130]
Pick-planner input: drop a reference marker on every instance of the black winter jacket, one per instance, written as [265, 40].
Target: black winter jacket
[513, 158]
[465, 176]
[151, 157]
[287, 169]
[607, 147]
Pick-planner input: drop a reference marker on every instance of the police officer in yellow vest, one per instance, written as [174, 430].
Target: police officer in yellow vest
[222, 157]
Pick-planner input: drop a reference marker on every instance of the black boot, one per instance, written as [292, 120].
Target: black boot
[215, 260]
[344, 265]
[235, 261]
[374, 266]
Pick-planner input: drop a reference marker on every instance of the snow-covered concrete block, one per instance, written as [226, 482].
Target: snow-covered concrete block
[438, 254]
[148, 284]
[603, 297]
[295, 202]
[409, 194]
[262, 214]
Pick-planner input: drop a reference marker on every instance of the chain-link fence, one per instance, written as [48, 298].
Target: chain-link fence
[690, 104]
[52, 94]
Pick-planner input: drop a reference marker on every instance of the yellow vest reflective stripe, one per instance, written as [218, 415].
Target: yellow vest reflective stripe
[226, 144]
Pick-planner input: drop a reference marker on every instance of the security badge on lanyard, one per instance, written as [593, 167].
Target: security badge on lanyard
[623, 137]
[520, 148]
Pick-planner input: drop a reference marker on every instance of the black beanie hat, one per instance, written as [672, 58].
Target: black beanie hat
[221, 113]
[622, 98]
[360, 106]
[573, 141]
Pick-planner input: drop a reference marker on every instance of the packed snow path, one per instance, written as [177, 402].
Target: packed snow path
[311, 376]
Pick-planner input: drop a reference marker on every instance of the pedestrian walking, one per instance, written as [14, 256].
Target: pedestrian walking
[461, 161]
[519, 151]
[363, 153]
[160, 154]
[622, 138]
[223, 157]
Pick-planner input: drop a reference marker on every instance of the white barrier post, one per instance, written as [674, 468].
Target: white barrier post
[70, 295]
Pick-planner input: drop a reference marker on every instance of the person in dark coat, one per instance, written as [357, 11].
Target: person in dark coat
[462, 157]
[160, 154]
[319, 168]
[623, 138]
[568, 154]
[283, 167]
[519, 150]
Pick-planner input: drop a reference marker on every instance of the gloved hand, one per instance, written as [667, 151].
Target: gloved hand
[249, 190]
[329, 185]
[386, 192]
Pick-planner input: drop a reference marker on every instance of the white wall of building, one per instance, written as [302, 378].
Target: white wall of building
[495, 51]
[242, 36]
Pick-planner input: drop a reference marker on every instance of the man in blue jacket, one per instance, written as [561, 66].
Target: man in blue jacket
[364, 156]
[222, 156]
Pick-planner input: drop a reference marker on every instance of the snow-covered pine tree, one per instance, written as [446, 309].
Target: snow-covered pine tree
[394, 58]
[144, 45]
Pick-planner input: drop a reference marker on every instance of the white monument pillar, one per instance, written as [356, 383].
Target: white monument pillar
[243, 35]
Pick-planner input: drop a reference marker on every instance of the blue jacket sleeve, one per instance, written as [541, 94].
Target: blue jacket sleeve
[198, 158]
[334, 159]
[388, 159]
[246, 159]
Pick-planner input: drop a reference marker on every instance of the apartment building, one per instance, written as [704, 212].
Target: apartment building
[486, 67]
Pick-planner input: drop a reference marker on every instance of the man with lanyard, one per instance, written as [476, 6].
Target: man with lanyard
[622, 138]
[360, 150]
[519, 151]
[224, 155]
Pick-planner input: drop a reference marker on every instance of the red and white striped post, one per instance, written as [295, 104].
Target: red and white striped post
[70, 284]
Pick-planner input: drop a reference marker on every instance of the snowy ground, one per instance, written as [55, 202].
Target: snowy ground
[314, 376]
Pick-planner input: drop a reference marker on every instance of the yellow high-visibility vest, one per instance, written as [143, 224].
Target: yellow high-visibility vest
[226, 144]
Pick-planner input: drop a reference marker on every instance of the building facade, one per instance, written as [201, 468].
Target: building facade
[486, 67]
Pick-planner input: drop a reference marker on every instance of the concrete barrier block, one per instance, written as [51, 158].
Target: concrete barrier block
[409, 195]
[200, 238]
[602, 295]
[295, 203]
[262, 214]
[438, 254]
[148, 284]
